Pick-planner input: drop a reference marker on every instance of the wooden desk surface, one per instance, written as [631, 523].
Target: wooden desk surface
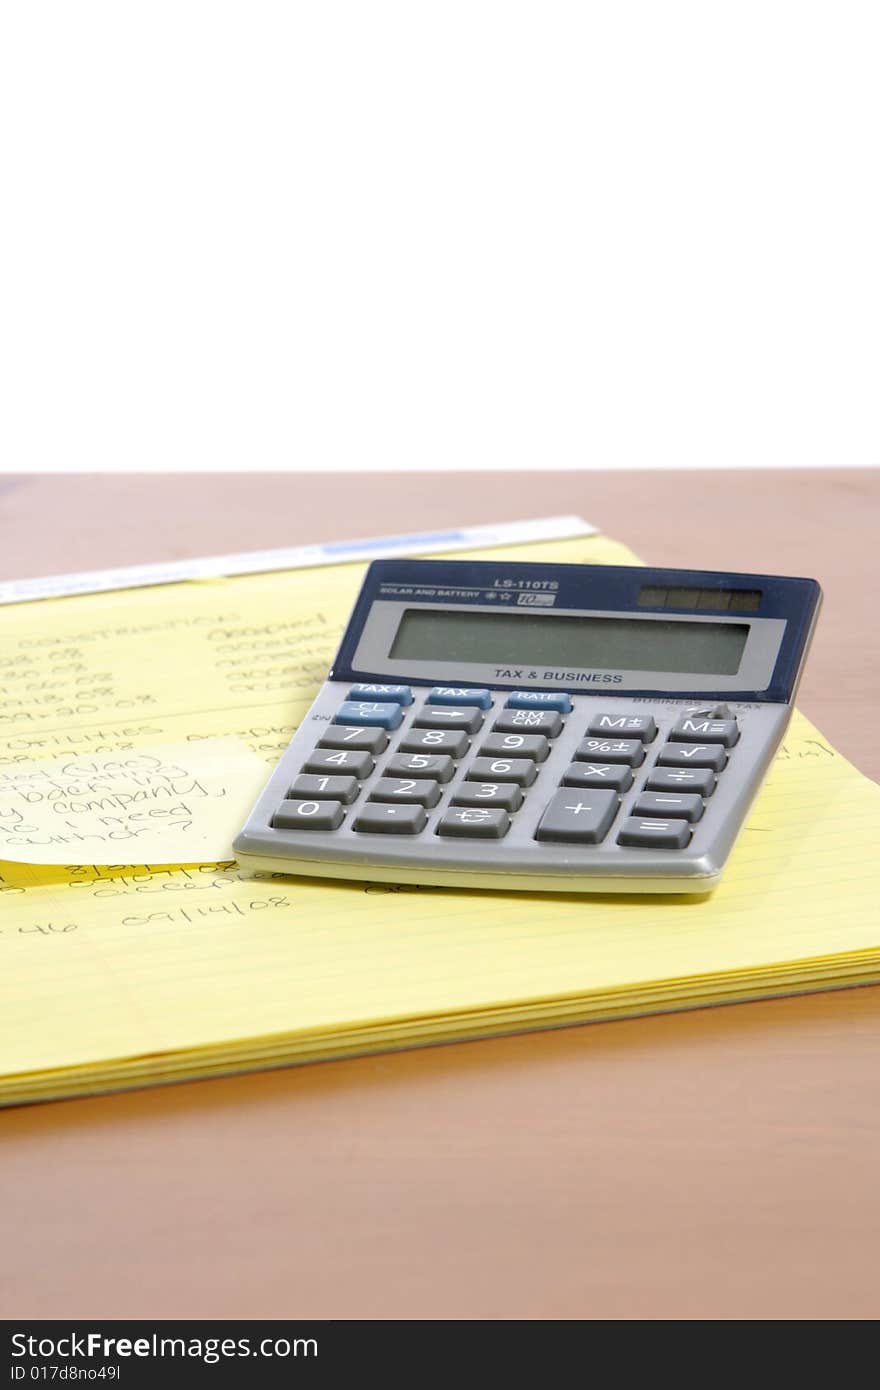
[715, 1164]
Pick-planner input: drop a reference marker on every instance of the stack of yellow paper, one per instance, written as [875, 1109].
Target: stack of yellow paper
[132, 974]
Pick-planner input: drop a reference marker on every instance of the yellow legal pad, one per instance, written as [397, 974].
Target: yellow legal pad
[133, 975]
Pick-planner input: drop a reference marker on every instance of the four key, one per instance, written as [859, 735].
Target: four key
[331, 760]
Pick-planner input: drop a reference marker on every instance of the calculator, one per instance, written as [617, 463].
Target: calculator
[546, 727]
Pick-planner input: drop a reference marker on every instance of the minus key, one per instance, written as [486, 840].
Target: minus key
[684, 805]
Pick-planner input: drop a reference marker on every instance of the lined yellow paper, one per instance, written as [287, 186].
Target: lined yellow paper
[134, 975]
[178, 804]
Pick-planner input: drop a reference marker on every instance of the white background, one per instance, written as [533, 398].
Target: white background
[449, 235]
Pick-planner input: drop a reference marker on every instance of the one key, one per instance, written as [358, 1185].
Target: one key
[375, 817]
[547, 722]
[381, 714]
[697, 726]
[507, 795]
[343, 789]
[516, 746]
[474, 823]
[522, 771]
[440, 768]
[611, 750]
[623, 726]
[616, 776]
[308, 815]
[329, 760]
[578, 817]
[693, 755]
[649, 833]
[467, 717]
[421, 791]
[681, 779]
[684, 805]
[398, 694]
[459, 695]
[365, 740]
[451, 741]
[538, 699]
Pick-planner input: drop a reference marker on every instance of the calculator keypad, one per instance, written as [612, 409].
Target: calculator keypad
[497, 777]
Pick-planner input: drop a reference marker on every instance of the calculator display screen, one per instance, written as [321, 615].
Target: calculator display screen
[623, 644]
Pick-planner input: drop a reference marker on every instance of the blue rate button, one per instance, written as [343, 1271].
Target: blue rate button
[370, 714]
[396, 694]
[538, 699]
[459, 695]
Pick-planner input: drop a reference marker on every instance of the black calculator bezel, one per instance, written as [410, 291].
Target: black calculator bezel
[612, 588]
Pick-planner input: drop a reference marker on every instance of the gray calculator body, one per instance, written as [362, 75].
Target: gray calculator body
[564, 728]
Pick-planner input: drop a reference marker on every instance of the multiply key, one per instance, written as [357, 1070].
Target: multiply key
[616, 776]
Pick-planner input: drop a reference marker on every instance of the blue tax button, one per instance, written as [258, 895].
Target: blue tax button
[459, 695]
[394, 694]
[538, 699]
[370, 714]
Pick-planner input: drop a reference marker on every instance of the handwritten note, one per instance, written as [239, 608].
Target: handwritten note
[175, 804]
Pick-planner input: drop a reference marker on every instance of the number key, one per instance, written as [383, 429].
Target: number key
[421, 791]
[440, 767]
[452, 741]
[522, 771]
[516, 746]
[308, 815]
[507, 795]
[343, 736]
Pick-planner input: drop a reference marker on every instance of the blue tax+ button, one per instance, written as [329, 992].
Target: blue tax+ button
[394, 694]
[370, 714]
[538, 699]
[459, 695]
